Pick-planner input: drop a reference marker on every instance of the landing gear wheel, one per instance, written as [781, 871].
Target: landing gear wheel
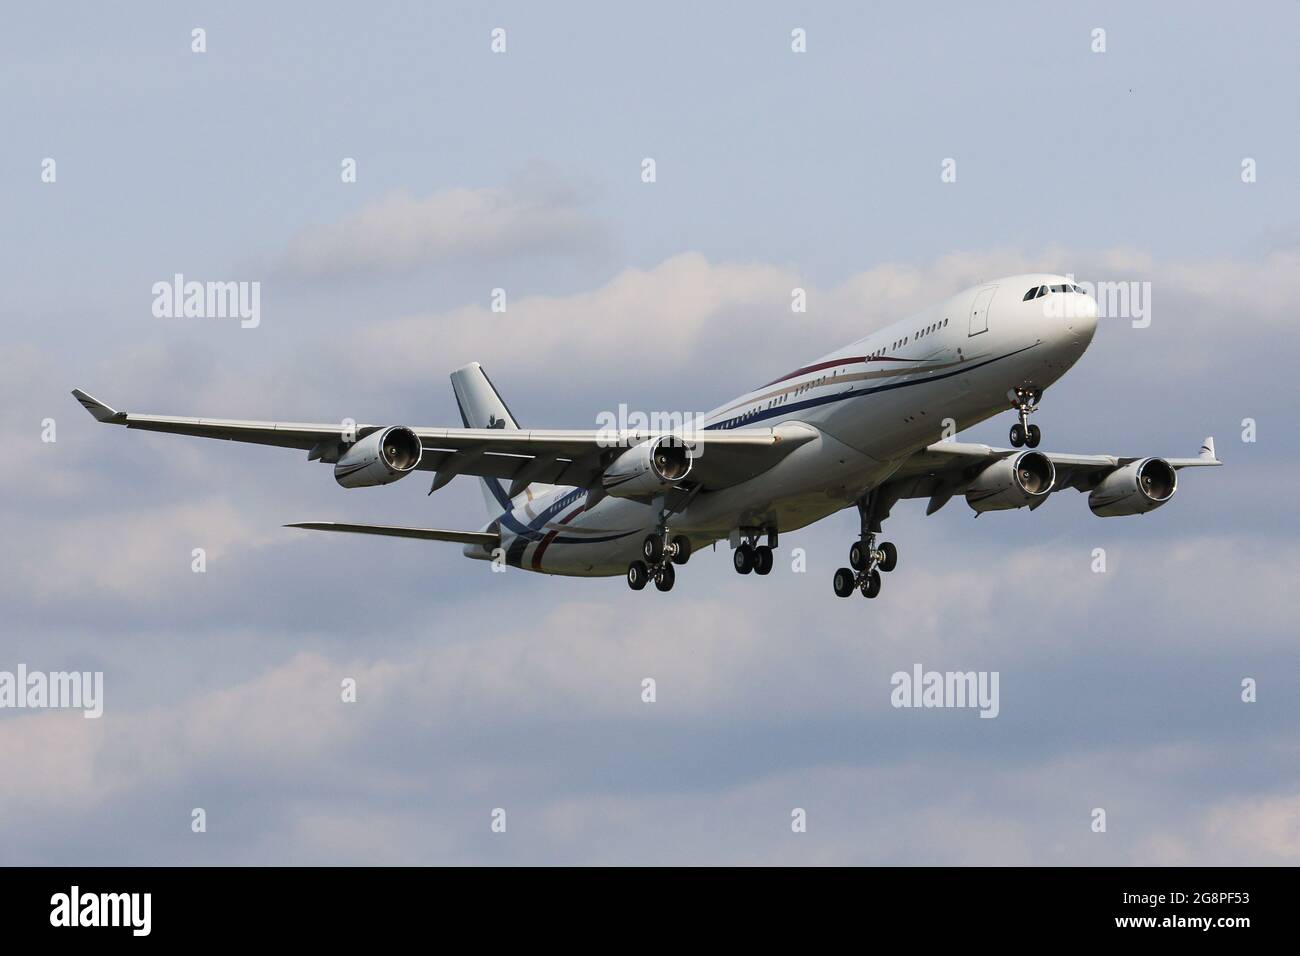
[762, 559]
[665, 577]
[845, 581]
[682, 552]
[888, 556]
[1033, 436]
[858, 556]
[637, 575]
[1017, 435]
[653, 548]
[871, 584]
[743, 559]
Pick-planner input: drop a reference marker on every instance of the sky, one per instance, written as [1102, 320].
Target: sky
[522, 171]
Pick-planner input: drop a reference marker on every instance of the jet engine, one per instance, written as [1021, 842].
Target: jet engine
[1023, 479]
[380, 458]
[647, 469]
[1135, 489]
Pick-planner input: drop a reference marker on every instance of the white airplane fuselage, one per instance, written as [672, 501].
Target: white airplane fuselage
[873, 403]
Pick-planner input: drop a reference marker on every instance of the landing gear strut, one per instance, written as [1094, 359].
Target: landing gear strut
[1025, 400]
[866, 558]
[660, 551]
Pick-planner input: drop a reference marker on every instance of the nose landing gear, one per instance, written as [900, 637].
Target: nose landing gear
[1024, 401]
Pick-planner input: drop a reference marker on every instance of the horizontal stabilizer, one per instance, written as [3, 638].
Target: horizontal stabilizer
[485, 538]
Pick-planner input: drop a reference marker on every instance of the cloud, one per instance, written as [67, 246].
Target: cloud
[1265, 829]
[403, 232]
[671, 312]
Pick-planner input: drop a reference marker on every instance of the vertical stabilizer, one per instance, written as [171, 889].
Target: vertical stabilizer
[481, 406]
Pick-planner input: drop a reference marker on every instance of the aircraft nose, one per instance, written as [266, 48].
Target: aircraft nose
[1082, 319]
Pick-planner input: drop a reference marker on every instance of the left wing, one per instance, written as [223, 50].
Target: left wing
[943, 469]
[522, 456]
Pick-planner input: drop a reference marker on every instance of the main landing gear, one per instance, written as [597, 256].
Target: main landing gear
[1025, 400]
[750, 556]
[867, 560]
[660, 551]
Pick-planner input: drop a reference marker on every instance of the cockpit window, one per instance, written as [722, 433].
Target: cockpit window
[1042, 290]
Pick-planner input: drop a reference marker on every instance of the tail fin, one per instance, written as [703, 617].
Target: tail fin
[481, 407]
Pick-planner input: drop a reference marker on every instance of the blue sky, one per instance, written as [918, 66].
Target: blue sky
[522, 171]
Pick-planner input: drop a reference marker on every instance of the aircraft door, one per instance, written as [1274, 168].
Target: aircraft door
[979, 310]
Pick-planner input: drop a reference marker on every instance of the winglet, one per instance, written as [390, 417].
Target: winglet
[1207, 449]
[97, 408]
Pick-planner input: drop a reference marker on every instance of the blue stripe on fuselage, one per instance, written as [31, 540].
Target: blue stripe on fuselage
[747, 420]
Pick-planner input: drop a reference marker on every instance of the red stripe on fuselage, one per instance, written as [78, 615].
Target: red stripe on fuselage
[546, 541]
[840, 361]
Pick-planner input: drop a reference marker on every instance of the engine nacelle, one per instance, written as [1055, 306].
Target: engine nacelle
[1135, 489]
[1012, 483]
[647, 469]
[380, 458]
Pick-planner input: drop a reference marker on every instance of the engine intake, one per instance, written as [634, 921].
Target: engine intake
[1012, 483]
[648, 469]
[1138, 487]
[379, 459]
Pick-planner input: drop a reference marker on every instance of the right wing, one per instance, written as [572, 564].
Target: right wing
[521, 456]
[944, 469]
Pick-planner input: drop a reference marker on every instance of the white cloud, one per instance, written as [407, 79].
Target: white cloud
[127, 554]
[401, 231]
[1259, 829]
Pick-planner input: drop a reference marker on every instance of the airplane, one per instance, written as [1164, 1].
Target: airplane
[865, 426]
